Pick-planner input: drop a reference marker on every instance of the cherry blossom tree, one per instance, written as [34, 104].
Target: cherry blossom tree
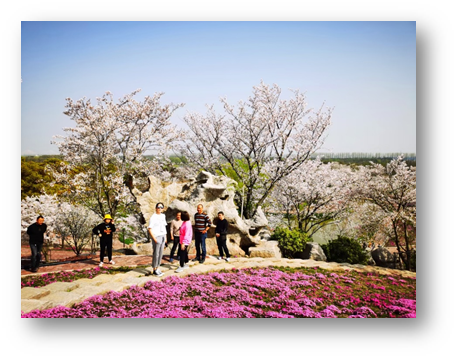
[365, 222]
[44, 205]
[315, 195]
[106, 149]
[74, 225]
[392, 189]
[130, 227]
[257, 143]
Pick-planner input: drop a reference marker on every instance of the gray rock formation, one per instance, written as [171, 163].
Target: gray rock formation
[267, 249]
[384, 258]
[370, 259]
[313, 251]
[215, 193]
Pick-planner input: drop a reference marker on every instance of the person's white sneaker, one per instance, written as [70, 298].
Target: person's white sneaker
[227, 259]
[101, 264]
[180, 269]
[219, 257]
[112, 262]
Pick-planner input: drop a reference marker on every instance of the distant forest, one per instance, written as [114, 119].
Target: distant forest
[366, 158]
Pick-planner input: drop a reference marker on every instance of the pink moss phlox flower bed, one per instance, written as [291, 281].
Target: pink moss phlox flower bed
[254, 293]
[61, 276]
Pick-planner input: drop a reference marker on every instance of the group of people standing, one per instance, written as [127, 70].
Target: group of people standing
[37, 230]
[181, 233]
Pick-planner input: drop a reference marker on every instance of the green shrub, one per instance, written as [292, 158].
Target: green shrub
[124, 239]
[290, 242]
[345, 250]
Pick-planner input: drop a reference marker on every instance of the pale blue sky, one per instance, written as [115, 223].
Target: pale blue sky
[366, 70]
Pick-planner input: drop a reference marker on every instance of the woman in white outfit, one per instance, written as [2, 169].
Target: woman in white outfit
[158, 231]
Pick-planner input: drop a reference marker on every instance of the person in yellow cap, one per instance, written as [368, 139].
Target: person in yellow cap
[105, 231]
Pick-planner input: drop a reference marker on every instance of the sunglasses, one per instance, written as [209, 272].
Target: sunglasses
[160, 207]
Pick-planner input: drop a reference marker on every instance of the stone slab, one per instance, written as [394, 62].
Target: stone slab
[62, 298]
[138, 272]
[226, 266]
[34, 293]
[62, 286]
[309, 263]
[83, 281]
[113, 286]
[245, 265]
[28, 305]
[88, 282]
[139, 281]
[91, 282]
[241, 259]
[89, 290]
[267, 263]
[197, 269]
[104, 277]
[211, 260]
[120, 277]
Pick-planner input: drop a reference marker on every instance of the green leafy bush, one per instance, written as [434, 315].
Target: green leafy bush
[290, 242]
[345, 250]
[124, 239]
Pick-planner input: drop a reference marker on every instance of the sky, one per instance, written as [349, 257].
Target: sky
[366, 71]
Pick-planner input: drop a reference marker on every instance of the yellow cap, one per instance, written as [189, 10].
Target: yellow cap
[107, 216]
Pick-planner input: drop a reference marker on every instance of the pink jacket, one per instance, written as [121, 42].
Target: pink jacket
[186, 233]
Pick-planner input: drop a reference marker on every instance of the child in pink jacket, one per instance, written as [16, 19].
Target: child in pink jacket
[185, 240]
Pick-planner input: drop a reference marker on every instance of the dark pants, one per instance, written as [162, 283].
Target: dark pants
[108, 244]
[200, 244]
[183, 255]
[176, 246]
[221, 241]
[36, 255]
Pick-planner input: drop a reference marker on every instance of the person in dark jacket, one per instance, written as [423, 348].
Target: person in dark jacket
[105, 231]
[36, 233]
[221, 234]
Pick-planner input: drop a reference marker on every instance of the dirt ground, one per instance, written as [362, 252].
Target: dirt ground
[85, 261]
[66, 254]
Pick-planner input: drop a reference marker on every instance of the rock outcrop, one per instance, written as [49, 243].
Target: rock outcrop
[215, 193]
[267, 249]
[384, 258]
[313, 251]
[369, 258]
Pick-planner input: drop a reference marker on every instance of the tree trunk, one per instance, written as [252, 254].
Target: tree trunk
[402, 255]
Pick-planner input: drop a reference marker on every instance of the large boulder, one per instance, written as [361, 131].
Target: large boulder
[142, 248]
[312, 251]
[370, 260]
[215, 193]
[267, 249]
[384, 258]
